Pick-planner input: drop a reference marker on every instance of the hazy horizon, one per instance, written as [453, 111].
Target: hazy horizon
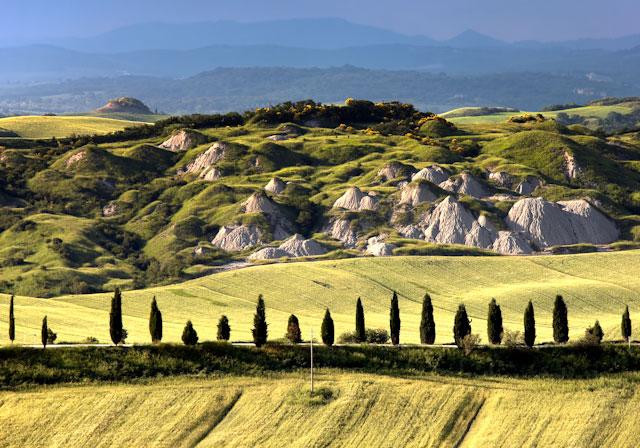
[36, 21]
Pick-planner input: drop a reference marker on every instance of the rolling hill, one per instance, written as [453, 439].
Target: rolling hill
[62, 126]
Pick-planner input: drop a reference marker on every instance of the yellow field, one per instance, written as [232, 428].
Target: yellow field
[595, 286]
[63, 126]
[361, 411]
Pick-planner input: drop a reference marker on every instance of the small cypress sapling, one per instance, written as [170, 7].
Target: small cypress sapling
[361, 335]
[44, 333]
[12, 322]
[560, 321]
[294, 335]
[155, 322]
[224, 330]
[529, 325]
[189, 334]
[427, 323]
[115, 317]
[394, 320]
[461, 325]
[494, 323]
[259, 330]
[595, 333]
[327, 330]
[626, 325]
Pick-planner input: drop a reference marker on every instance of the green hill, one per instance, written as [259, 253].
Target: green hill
[62, 126]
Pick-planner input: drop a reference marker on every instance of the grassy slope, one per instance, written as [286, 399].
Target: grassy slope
[62, 126]
[596, 286]
[365, 410]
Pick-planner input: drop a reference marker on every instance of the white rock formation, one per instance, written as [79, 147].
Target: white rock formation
[465, 183]
[548, 224]
[355, 200]
[235, 238]
[571, 168]
[111, 209]
[395, 170]
[211, 174]
[278, 137]
[502, 179]
[183, 140]
[528, 186]
[77, 157]
[416, 193]
[275, 186]
[378, 248]
[341, 229]
[434, 174]
[269, 253]
[298, 246]
[511, 243]
[207, 159]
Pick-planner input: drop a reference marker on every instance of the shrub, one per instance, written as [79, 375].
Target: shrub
[224, 330]
[260, 326]
[427, 323]
[512, 338]
[51, 336]
[469, 343]
[189, 334]
[377, 336]
[595, 333]
[327, 329]
[294, 335]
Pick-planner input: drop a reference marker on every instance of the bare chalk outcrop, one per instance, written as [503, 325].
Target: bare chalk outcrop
[465, 183]
[377, 247]
[258, 202]
[395, 171]
[502, 179]
[434, 174]
[343, 230]
[547, 224]
[511, 243]
[207, 159]
[416, 193]
[355, 200]
[528, 185]
[269, 253]
[237, 238]
[211, 174]
[183, 140]
[571, 168]
[275, 186]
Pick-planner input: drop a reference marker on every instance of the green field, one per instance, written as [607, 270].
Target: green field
[62, 126]
[595, 286]
[354, 410]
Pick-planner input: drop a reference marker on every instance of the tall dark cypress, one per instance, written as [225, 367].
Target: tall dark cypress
[12, 322]
[155, 322]
[327, 329]
[115, 317]
[361, 334]
[224, 329]
[259, 330]
[427, 323]
[461, 325]
[494, 323]
[625, 325]
[560, 321]
[293, 330]
[394, 319]
[44, 332]
[529, 325]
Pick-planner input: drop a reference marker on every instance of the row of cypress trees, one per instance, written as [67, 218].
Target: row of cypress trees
[461, 328]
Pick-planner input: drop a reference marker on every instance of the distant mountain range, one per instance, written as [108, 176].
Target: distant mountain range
[237, 89]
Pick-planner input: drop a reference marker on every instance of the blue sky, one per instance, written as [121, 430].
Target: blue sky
[35, 20]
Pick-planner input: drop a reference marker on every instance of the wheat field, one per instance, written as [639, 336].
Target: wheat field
[595, 286]
[356, 410]
[63, 126]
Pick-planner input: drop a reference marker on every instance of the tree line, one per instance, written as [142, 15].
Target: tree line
[462, 331]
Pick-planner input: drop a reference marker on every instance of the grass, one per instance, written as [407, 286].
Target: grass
[595, 286]
[62, 126]
[364, 410]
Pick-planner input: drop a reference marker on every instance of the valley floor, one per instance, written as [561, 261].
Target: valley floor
[353, 410]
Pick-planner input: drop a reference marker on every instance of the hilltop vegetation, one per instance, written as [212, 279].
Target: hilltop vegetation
[171, 200]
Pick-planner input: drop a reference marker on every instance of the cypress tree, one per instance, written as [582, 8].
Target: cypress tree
[596, 332]
[189, 334]
[361, 335]
[394, 319]
[12, 322]
[494, 323]
[44, 332]
[529, 325]
[560, 322]
[625, 326]
[293, 330]
[327, 329]
[260, 324]
[427, 323]
[224, 330]
[155, 322]
[461, 325]
[115, 317]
